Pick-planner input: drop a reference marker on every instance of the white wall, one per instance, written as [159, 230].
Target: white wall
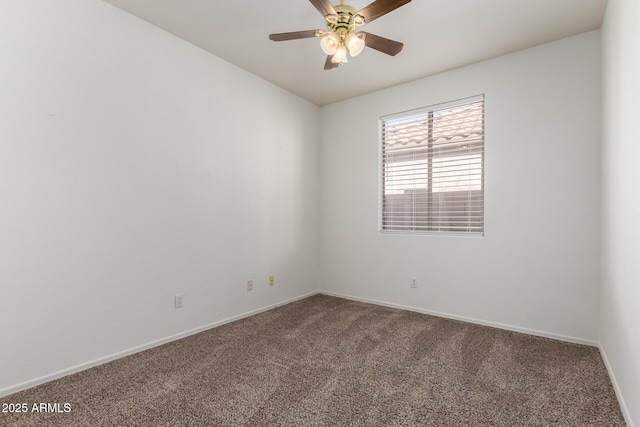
[537, 267]
[134, 166]
[620, 297]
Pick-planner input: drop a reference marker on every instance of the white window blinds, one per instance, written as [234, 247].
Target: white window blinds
[433, 169]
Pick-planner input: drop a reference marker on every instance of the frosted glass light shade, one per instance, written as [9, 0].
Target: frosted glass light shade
[340, 56]
[330, 43]
[354, 43]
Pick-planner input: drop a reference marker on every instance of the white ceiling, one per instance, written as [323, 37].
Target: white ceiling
[439, 35]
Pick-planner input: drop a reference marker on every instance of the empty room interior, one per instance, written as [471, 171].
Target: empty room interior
[200, 225]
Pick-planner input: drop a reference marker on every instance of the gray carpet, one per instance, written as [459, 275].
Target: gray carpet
[326, 361]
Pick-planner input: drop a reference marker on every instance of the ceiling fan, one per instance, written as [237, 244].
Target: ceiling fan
[340, 36]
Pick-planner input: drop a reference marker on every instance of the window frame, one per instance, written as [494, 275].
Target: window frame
[429, 110]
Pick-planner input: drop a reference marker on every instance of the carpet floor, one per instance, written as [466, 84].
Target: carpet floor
[326, 361]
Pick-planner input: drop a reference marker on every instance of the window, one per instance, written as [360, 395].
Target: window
[433, 169]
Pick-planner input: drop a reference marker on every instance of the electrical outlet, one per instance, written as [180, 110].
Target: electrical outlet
[414, 282]
[272, 280]
[177, 301]
[249, 285]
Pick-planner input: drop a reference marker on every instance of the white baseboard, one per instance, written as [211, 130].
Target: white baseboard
[83, 366]
[468, 319]
[616, 388]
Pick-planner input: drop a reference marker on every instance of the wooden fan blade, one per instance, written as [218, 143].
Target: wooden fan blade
[294, 35]
[379, 8]
[324, 7]
[328, 65]
[381, 44]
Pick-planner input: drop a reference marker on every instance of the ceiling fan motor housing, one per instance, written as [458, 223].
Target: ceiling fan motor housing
[344, 21]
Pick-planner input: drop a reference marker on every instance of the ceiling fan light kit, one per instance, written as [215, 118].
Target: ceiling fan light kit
[339, 36]
[341, 22]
